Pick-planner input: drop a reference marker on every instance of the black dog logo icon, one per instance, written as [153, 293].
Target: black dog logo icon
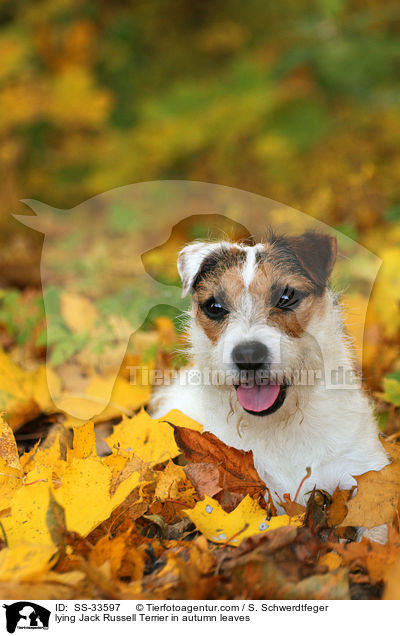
[26, 615]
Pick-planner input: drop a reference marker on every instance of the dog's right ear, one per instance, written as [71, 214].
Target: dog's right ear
[190, 260]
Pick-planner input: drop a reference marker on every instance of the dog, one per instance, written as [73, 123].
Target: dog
[264, 316]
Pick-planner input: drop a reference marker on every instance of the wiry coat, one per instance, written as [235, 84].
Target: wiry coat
[330, 430]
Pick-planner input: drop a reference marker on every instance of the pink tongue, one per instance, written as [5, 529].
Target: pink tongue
[258, 397]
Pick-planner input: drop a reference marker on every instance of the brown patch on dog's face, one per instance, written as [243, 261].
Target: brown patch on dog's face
[282, 268]
[219, 278]
[294, 323]
[279, 270]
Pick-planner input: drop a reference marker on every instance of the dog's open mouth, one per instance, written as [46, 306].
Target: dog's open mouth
[261, 399]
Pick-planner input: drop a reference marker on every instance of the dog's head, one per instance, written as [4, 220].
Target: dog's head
[257, 311]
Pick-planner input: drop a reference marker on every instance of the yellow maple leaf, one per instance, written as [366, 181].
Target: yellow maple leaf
[246, 520]
[14, 397]
[82, 488]
[151, 440]
[8, 446]
[46, 457]
[25, 562]
[103, 399]
[86, 484]
[84, 442]
[125, 397]
[168, 482]
[27, 521]
[85, 493]
[11, 472]
[179, 419]
[24, 394]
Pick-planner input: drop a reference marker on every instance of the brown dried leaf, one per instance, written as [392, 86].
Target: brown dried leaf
[204, 477]
[132, 465]
[378, 494]
[292, 508]
[338, 509]
[169, 481]
[373, 557]
[392, 587]
[237, 474]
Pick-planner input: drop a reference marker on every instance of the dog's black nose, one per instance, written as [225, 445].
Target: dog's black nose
[250, 356]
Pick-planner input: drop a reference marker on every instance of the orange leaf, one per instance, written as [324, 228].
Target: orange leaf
[237, 474]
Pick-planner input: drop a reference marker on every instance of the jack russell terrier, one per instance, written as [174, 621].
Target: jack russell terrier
[262, 315]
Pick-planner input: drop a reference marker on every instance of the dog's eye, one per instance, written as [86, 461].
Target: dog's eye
[214, 310]
[289, 299]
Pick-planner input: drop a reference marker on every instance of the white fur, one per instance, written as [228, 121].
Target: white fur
[249, 268]
[191, 257]
[332, 431]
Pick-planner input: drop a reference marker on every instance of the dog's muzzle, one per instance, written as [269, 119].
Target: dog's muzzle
[255, 391]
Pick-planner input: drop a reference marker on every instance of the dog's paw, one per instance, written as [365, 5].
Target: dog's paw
[379, 534]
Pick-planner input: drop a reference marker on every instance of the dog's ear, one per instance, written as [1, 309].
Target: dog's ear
[190, 260]
[316, 253]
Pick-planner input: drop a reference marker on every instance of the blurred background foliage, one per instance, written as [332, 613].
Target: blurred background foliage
[298, 101]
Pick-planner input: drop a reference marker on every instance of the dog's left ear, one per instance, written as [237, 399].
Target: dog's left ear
[190, 260]
[316, 253]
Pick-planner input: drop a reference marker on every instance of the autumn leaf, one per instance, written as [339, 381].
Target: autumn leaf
[11, 472]
[86, 486]
[83, 483]
[375, 558]
[235, 467]
[117, 551]
[378, 494]
[25, 562]
[392, 587]
[292, 508]
[150, 440]
[331, 586]
[26, 522]
[177, 418]
[246, 520]
[338, 509]
[25, 394]
[168, 482]
[205, 477]
[331, 560]
[103, 399]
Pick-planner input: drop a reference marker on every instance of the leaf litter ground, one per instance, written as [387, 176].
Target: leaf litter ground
[125, 506]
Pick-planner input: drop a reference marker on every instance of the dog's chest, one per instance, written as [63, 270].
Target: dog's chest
[284, 468]
[282, 454]
[284, 477]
